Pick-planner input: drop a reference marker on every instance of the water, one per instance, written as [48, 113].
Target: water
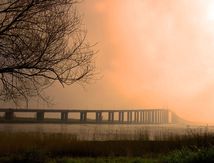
[109, 132]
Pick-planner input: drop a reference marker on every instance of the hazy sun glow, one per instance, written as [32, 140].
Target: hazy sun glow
[210, 11]
[169, 46]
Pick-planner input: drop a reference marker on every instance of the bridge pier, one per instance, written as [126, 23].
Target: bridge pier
[9, 115]
[141, 116]
[99, 117]
[121, 117]
[152, 117]
[166, 116]
[158, 117]
[136, 116]
[40, 115]
[155, 116]
[144, 117]
[161, 117]
[129, 117]
[83, 116]
[111, 116]
[149, 117]
[64, 116]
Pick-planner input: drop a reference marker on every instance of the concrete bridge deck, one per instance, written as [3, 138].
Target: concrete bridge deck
[76, 116]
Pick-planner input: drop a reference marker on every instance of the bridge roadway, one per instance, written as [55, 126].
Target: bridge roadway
[143, 116]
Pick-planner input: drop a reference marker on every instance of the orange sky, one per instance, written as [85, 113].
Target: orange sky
[151, 54]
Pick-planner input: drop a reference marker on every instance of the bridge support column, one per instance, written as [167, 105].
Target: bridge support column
[155, 116]
[149, 117]
[40, 115]
[169, 117]
[143, 117]
[111, 116]
[9, 115]
[152, 116]
[121, 117]
[83, 116]
[64, 116]
[161, 116]
[166, 116]
[129, 117]
[136, 116]
[158, 116]
[99, 117]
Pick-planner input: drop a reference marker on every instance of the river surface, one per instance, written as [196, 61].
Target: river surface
[110, 132]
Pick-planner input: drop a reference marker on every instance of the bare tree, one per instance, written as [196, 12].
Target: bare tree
[41, 41]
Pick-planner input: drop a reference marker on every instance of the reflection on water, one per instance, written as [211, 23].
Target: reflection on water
[109, 132]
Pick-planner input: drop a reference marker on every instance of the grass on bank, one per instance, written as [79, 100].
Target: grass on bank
[85, 160]
[54, 148]
[184, 155]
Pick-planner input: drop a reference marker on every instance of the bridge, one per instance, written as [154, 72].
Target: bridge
[143, 116]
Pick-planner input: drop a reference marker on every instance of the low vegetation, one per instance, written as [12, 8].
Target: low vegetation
[54, 148]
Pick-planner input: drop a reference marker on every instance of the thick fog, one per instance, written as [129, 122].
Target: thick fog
[151, 54]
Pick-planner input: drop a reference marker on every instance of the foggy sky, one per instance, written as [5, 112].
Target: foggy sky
[152, 54]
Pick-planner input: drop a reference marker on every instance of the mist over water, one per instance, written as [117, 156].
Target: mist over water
[111, 132]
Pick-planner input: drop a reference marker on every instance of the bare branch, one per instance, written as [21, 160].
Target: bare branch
[41, 42]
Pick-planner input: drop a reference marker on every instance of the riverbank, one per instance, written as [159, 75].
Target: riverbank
[54, 147]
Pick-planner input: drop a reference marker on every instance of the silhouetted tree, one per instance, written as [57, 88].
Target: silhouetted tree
[41, 41]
